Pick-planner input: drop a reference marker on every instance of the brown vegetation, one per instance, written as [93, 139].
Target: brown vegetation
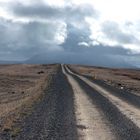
[20, 87]
[120, 78]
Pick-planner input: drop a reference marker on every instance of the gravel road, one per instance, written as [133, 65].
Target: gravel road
[76, 108]
[122, 116]
[54, 117]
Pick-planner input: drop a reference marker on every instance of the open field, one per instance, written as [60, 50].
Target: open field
[69, 102]
[120, 78]
[20, 86]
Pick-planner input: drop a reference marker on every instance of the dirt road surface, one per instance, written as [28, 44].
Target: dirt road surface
[76, 108]
[122, 116]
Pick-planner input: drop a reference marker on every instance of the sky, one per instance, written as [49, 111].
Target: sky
[91, 32]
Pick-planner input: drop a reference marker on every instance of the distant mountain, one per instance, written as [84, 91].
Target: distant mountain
[74, 58]
[71, 58]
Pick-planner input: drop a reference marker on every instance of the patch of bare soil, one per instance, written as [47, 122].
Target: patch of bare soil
[128, 79]
[20, 87]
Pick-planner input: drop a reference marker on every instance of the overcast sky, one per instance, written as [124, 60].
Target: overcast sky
[92, 32]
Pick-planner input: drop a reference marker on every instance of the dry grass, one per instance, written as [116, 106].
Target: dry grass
[126, 78]
[20, 87]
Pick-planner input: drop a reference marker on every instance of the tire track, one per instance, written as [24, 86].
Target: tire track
[128, 97]
[123, 127]
[127, 109]
[122, 94]
[90, 123]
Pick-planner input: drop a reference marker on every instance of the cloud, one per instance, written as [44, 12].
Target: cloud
[78, 30]
[90, 56]
[27, 39]
[68, 13]
[74, 36]
[113, 34]
[85, 44]
[113, 31]
[121, 37]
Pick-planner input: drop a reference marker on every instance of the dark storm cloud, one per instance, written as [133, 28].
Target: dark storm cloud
[53, 34]
[69, 12]
[98, 56]
[72, 53]
[34, 40]
[27, 39]
[76, 35]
